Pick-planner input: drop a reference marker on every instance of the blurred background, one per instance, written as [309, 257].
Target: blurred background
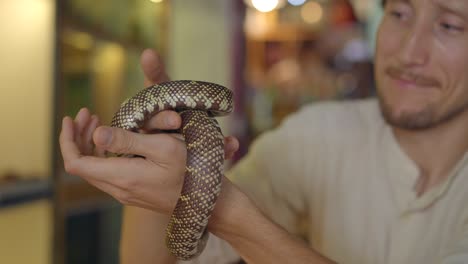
[59, 56]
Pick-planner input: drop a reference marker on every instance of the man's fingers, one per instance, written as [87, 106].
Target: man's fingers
[92, 125]
[165, 120]
[86, 143]
[89, 167]
[70, 150]
[231, 145]
[157, 147]
[153, 68]
[94, 169]
[98, 151]
[81, 120]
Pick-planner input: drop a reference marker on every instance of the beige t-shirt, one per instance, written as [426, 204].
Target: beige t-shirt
[334, 174]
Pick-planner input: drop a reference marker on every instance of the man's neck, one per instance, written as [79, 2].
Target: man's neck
[435, 151]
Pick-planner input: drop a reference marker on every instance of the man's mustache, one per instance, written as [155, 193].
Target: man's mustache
[418, 79]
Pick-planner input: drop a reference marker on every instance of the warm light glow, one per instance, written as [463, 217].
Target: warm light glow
[296, 2]
[312, 12]
[265, 5]
[156, 1]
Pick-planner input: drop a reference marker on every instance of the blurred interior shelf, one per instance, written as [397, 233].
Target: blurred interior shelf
[24, 191]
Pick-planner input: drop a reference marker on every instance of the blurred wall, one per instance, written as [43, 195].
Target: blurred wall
[200, 43]
[26, 52]
[200, 40]
[26, 234]
[26, 74]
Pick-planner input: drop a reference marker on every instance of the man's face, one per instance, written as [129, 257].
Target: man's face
[422, 62]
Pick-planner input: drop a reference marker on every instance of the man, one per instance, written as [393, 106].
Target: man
[378, 181]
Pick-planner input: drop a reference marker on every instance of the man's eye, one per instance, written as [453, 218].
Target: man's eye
[399, 14]
[450, 27]
[396, 14]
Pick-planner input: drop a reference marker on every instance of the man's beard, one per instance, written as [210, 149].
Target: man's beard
[420, 120]
[425, 118]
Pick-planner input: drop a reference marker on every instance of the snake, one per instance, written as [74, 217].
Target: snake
[198, 103]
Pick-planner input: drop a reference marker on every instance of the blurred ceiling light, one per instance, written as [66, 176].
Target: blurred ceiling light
[257, 23]
[296, 2]
[156, 1]
[265, 5]
[312, 12]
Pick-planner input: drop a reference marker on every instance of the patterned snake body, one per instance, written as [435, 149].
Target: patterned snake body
[197, 102]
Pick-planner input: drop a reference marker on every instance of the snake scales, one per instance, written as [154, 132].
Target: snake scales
[197, 102]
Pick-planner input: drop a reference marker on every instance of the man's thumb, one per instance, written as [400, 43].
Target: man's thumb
[154, 146]
[115, 140]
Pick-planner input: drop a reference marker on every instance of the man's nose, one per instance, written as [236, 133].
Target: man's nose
[415, 46]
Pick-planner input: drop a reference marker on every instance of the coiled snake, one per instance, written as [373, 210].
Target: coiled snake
[197, 102]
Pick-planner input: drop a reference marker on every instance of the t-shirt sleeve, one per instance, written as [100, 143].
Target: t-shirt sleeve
[281, 165]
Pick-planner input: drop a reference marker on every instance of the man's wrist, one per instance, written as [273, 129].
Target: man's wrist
[256, 238]
[231, 207]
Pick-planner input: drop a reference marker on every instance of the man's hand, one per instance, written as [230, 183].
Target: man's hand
[152, 182]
